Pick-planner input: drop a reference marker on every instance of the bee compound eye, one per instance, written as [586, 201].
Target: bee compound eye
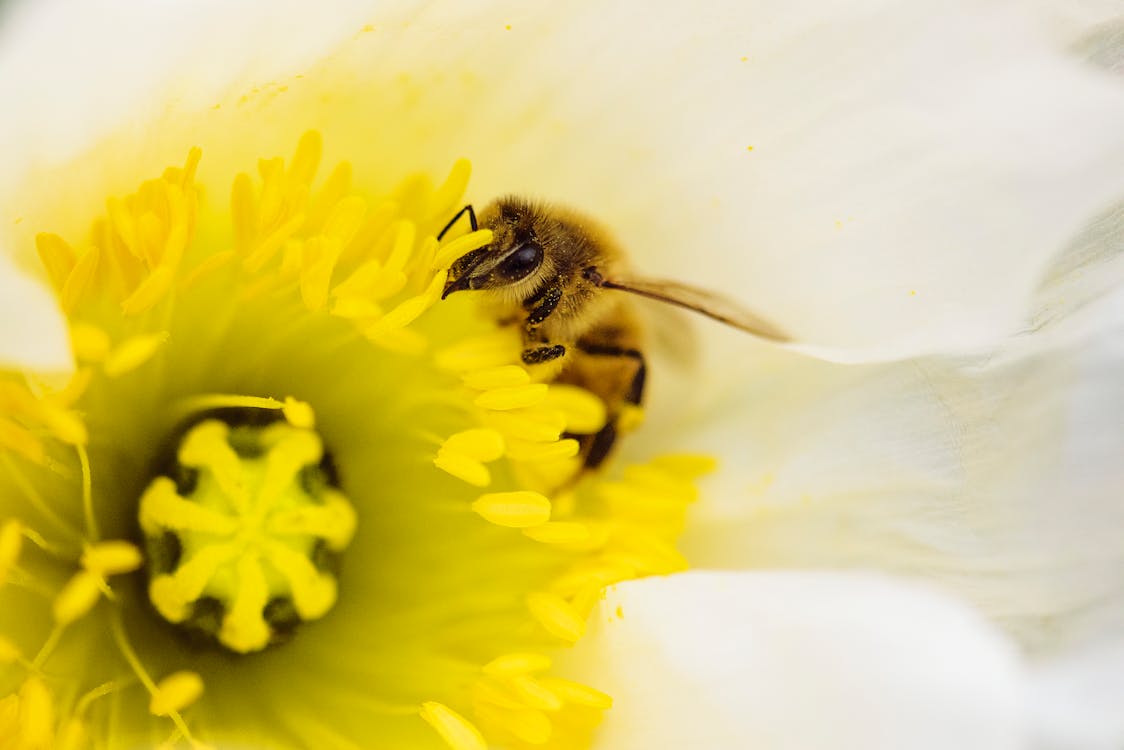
[520, 263]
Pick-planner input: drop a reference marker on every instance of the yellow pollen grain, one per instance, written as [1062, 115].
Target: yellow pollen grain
[175, 692]
[514, 397]
[133, 352]
[516, 510]
[559, 532]
[507, 376]
[77, 597]
[556, 615]
[458, 732]
[112, 558]
[517, 663]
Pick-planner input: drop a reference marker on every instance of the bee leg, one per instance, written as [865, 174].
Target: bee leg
[541, 354]
[543, 303]
[603, 441]
[471, 221]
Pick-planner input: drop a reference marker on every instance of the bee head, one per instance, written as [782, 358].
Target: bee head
[494, 268]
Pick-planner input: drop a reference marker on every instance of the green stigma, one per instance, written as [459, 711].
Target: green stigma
[242, 544]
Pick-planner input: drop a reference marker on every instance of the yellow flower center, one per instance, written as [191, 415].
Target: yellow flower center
[290, 498]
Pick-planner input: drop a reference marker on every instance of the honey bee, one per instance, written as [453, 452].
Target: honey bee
[553, 273]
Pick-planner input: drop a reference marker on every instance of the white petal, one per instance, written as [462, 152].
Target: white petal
[33, 335]
[914, 165]
[798, 661]
[72, 70]
[999, 477]
[1075, 701]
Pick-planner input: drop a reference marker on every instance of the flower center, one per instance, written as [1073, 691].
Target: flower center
[242, 545]
[422, 576]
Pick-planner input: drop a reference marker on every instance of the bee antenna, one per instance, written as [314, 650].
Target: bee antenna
[471, 220]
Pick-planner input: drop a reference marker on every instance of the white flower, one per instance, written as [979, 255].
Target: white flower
[897, 184]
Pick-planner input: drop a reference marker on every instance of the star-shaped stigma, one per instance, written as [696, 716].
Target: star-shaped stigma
[243, 544]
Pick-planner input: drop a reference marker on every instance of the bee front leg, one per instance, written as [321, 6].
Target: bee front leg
[543, 303]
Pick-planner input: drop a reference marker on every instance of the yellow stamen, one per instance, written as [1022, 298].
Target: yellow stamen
[460, 246]
[112, 558]
[514, 397]
[505, 376]
[175, 692]
[517, 663]
[457, 731]
[529, 725]
[463, 467]
[543, 452]
[37, 715]
[559, 532]
[77, 597]
[556, 616]
[73, 735]
[133, 353]
[91, 343]
[516, 510]
[583, 412]
[481, 444]
[57, 256]
[575, 692]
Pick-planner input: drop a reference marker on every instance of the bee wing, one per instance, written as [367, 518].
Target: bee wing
[714, 306]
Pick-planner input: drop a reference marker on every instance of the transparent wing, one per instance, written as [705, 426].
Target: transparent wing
[714, 306]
